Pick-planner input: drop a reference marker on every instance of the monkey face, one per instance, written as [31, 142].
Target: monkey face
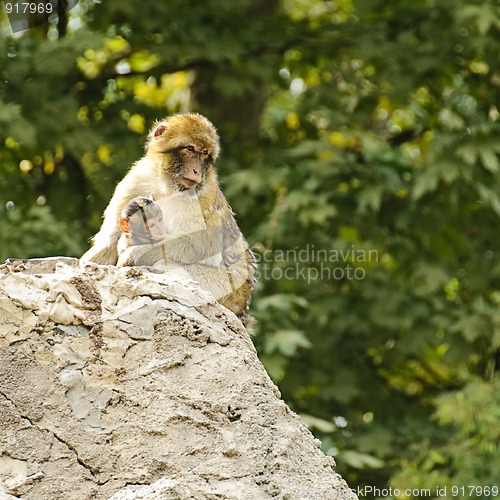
[190, 145]
[153, 224]
[145, 225]
[189, 164]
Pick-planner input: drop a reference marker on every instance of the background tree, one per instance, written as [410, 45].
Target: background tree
[358, 137]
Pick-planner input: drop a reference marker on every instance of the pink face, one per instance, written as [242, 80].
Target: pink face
[195, 160]
[145, 225]
[155, 228]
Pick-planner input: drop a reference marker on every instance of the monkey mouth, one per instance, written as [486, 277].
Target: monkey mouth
[188, 183]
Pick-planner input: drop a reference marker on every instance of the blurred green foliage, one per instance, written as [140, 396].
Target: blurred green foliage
[361, 155]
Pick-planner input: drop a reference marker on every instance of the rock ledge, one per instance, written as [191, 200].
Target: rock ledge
[123, 384]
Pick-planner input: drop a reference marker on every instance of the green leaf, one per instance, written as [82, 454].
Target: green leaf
[282, 301]
[489, 159]
[370, 198]
[426, 182]
[429, 278]
[359, 460]
[471, 327]
[489, 198]
[485, 16]
[318, 423]
[286, 342]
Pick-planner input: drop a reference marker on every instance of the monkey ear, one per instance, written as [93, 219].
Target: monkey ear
[159, 130]
[123, 223]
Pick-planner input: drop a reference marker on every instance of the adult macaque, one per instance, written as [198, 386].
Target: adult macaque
[180, 157]
[178, 173]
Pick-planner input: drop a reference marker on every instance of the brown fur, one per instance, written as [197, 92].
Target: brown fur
[178, 172]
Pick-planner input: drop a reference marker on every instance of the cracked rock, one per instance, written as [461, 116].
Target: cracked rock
[124, 384]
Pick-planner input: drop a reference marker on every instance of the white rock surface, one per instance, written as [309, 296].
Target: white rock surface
[122, 384]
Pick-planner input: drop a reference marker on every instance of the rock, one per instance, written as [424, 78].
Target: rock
[119, 383]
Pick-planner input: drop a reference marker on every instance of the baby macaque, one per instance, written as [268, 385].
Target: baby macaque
[141, 222]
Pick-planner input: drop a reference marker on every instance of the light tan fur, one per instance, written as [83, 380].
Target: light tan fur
[203, 238]
[150, 176]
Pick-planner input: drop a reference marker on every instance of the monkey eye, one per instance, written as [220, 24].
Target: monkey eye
[205, 152]
[190, 149]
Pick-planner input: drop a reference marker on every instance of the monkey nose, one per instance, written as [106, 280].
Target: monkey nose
[196, 172]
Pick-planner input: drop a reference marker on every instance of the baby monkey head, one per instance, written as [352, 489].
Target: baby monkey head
[189, 145]
[141, 220]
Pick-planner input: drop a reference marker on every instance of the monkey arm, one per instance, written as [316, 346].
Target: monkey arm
[104, 243]
[100, 254]
[139, 181]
